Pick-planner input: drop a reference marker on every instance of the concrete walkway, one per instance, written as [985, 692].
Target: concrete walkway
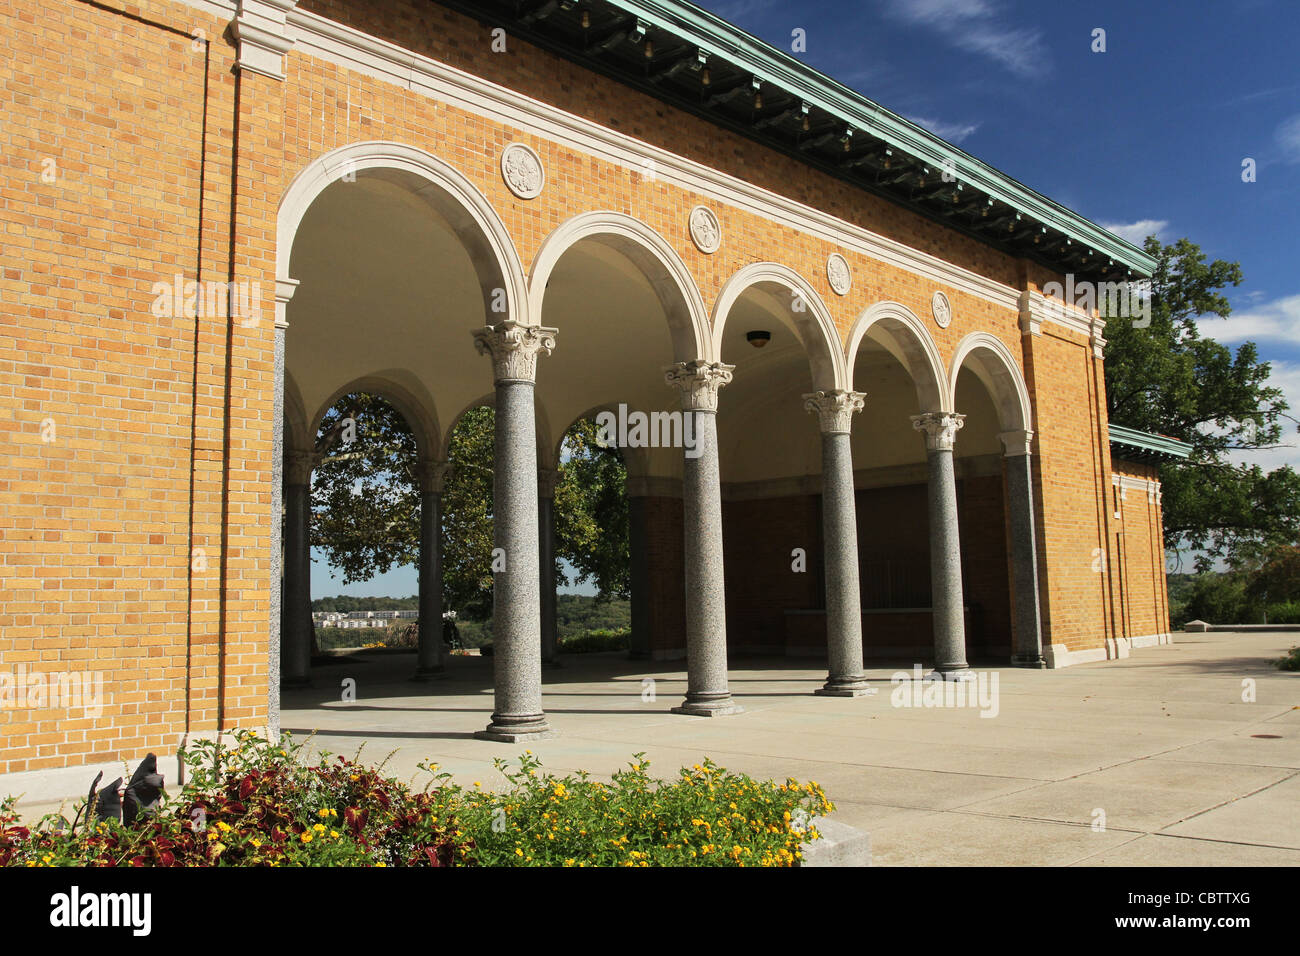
[1152, 760]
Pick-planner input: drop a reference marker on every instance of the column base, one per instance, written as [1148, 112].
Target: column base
[719, 707]
[428, 673]
[846, 687]
[958, 674]
[513, 730]
[1029, 660]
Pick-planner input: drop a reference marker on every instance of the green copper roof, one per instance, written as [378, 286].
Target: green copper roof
[697, 61]
[1133, 445]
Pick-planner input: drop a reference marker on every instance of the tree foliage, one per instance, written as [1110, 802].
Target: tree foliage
[591, 512]
[366, 503]
[1170, 379]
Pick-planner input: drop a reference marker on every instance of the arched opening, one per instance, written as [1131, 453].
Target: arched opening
[387, 260]
[626, 309]
[893, 361]
[774, 328]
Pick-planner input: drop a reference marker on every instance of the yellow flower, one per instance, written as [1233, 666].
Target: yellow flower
[256, 842]
[306, 838]
[334, 834]
[224, 826]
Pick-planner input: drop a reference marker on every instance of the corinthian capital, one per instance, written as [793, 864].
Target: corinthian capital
[940, 429]
[514, 349]
[699, 383]
[834, 409]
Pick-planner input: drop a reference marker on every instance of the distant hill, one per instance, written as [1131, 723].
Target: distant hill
[344, 603]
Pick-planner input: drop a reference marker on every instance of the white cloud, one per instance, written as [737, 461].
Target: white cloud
[1136, 232]
[976, 27]
[952, 132]
[1276, 321]
[1286, 376]
[1288, 137]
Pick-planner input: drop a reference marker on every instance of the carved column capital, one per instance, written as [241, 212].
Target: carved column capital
[699, 383]
[834, 409]
[298, 466]
[1016, 442]
[940, 429]
[514, 349]
[432, 475]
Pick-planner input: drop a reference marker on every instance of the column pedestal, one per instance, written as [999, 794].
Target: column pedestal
[295, 651]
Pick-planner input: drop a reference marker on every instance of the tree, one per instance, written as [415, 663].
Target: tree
[591, 513]
[467, 516]
[1167, 378]
[366, 503]
[365, 500]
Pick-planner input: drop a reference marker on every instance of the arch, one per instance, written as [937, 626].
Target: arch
[484, 235]
[994, 364]
[410, 400]
[661, 265]
[909, 341]
[816, 327]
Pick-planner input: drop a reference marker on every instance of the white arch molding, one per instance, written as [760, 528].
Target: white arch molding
[661, 265]
[817, 332]
[993, 363]
[486, 239]
[907, 338]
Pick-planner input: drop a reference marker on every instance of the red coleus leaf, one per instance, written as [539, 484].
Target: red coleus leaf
[137, 861]
[166, 858]
[355, 819]
[247, 787]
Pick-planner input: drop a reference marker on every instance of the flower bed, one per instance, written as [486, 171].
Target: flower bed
[262, 804]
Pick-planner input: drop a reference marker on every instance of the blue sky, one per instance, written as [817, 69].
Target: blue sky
[1147, 137]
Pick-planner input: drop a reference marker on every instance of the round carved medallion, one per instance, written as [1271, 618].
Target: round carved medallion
[838, 274]
[942, 309]
[705, 231]
[522, 170]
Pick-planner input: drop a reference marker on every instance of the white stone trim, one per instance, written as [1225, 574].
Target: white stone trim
[688, 318]
[1152, 640]
[284, 290]
[526, 184]
[1127, 483]
[261, 30]
[347, 161]
[1036, 308]
[350, 48]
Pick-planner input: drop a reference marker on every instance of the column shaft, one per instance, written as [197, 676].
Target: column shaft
[1028, 649]
[295, 656]
[947, 603]
[546, 578]
[429, 658]
[843, 594]
[707, 693]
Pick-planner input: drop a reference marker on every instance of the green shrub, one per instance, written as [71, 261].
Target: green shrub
[594, 641]
[1291, 662]
[707, 817]
[262, 804]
